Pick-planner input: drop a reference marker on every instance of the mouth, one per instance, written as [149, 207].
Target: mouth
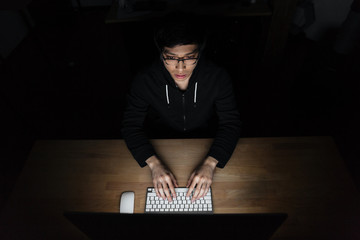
[180, 76]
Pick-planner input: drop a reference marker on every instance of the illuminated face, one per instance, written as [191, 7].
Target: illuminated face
[181, 71]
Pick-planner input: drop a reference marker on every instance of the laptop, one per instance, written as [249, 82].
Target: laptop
[253, 226]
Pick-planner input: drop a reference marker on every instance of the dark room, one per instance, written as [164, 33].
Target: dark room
[120, 116]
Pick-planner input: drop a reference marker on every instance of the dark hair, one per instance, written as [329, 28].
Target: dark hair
[182, 29]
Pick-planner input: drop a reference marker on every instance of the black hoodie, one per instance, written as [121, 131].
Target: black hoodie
[154, 92]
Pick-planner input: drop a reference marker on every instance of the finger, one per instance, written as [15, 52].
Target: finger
[166, 192]
[172, 189]
[190, 179]
[196, 190]
[199, 190]
[191, 188]
[203, 190]
[174, 180]
[173, 194]
[206, 190]
[169, 187]
[156, 190]
[196, 193]
[161, 191]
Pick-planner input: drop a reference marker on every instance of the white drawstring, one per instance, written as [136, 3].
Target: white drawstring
[195, 91]
[167, 94]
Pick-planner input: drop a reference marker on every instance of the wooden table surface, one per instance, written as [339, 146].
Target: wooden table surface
[302, 176]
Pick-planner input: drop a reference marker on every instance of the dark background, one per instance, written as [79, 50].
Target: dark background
[67, 79]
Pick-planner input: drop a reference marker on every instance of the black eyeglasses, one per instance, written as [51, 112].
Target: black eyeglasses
[188, 61]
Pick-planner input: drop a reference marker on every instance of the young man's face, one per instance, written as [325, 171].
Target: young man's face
[181, 71]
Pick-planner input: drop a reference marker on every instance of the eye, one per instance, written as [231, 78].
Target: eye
[170, 58]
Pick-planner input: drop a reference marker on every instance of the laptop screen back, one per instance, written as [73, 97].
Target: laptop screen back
[257, 226]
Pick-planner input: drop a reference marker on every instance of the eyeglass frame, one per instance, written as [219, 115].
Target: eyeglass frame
[180, 59]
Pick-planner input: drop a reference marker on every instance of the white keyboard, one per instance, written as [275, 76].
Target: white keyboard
[180, 204]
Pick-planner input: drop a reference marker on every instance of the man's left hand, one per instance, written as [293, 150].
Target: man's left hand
[201, 178]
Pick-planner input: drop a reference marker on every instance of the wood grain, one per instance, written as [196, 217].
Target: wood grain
[302, 176]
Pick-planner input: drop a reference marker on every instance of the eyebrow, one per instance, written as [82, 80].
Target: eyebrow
[170, 53]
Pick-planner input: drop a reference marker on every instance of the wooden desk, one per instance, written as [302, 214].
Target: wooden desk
[302, 176]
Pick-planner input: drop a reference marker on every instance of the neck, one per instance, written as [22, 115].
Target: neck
[183, 85]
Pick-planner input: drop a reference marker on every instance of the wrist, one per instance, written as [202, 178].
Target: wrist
[210, 161]
[152, 161]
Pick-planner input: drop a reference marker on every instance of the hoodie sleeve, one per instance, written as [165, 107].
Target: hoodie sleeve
[133, 121]
[229, 125]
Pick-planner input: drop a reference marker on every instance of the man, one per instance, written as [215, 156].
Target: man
[181, 92]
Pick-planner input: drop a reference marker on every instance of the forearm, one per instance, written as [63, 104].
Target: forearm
[224, 143]
[229, 124]
[133, 124]
[134, 135]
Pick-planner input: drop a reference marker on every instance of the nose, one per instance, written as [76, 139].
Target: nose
[180, 65]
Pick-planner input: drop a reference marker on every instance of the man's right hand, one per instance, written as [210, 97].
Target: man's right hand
[163, 180]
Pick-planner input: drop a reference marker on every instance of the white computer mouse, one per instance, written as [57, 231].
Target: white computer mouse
[127, 202]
